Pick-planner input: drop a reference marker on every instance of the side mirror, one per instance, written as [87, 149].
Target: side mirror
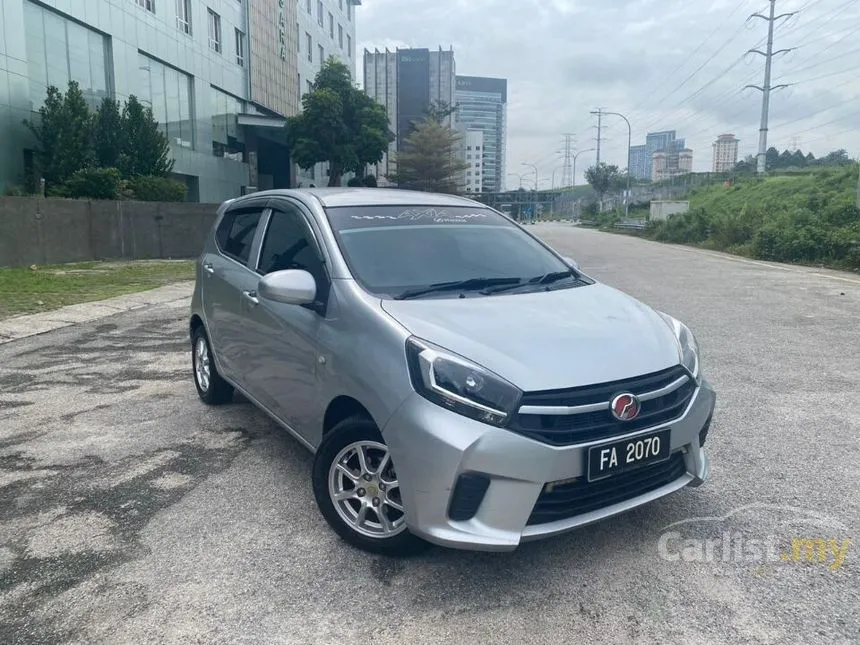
[572, 263]
[291, 287]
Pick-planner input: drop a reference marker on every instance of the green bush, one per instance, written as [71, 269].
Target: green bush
[148, 188]
[370, 181]
[354, 182]
[94, 183]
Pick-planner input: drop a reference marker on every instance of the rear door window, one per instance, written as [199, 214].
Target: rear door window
[235, 234]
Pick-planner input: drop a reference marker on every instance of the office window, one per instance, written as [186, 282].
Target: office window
[340, 36]
[240, 48]
[214, 31]
[310, 86]
[349, 45]
[340, 4]
[322, 54]
[320, 13]
[149, 5]
[310, 7]
[310, 42]
[228, 139]
[183, 16]
[348, 10]
[298, 39]
[76, 54]
[331, 25]
[299, 84]
[167, 91]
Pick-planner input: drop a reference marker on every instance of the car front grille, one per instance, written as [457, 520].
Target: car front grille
[580, 426]
[580, 496]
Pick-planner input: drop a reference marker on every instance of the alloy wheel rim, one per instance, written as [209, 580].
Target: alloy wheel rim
[202, 369]
[363, 487]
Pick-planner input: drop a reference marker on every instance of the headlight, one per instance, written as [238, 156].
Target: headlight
[460, 385]
[687, 345]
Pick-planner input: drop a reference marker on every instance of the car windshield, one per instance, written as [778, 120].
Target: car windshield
[420, 251]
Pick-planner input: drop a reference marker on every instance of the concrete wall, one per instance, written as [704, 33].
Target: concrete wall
[660, 210]
[53, 231]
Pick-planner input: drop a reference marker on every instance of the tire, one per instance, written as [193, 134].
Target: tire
[211, 388]
[382, 531]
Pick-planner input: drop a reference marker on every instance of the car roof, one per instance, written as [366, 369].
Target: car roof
[334, 197]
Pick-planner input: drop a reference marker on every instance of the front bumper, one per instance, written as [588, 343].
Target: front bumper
[432, 447]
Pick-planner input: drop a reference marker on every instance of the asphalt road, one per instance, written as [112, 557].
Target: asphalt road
[131, 513]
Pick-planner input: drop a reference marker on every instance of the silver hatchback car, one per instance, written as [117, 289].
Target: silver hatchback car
[458, 381]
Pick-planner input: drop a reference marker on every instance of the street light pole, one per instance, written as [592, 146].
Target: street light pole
[629, 144]
[574, 165]
[536, 172]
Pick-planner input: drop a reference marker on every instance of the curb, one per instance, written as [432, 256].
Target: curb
[28, 325]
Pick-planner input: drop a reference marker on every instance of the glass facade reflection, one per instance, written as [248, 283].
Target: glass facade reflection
[60, 50]
[168, 92]
[228, 139]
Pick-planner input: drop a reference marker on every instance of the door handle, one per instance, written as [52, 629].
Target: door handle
[208, 268]
[251, 296]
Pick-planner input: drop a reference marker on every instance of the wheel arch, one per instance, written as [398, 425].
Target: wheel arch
[341, 408]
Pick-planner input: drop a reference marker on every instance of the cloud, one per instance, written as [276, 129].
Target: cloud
[563, 58]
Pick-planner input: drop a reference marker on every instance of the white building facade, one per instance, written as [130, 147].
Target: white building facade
[472, 143]
[725, 153]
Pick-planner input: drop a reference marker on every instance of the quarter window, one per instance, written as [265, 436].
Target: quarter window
[235, 234]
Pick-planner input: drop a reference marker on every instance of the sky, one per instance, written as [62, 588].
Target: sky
[664, 64]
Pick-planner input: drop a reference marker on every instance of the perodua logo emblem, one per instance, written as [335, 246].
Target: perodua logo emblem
[625, 407]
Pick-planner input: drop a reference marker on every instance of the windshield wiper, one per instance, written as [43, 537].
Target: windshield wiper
[471, 284]
[547, 278]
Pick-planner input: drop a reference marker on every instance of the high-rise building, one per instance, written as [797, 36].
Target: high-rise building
[220, 77]
[406, 82]
[672, 163]
[725, 153]
[639, 162]
[324, 28]
[482, 105]
[655, 142]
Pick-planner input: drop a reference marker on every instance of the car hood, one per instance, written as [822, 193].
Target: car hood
[546, 340]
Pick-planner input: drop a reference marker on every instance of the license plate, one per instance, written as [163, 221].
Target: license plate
[613, 458]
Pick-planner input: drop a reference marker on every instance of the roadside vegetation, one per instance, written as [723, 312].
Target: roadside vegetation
[42, 288]
[809, 218]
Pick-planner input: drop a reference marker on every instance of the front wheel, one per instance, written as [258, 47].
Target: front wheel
[357, 490]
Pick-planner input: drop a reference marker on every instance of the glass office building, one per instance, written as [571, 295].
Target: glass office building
[482, 105]
[220, 77]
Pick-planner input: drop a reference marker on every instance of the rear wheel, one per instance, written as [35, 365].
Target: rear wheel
[211, 388]
[357, 490]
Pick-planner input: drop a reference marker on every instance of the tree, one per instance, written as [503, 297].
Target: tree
[771, 158]
[108, 134]
[603, 179]
[439, 111]
[430, 161]
[63, 134]
[145, 150]
[339, 125]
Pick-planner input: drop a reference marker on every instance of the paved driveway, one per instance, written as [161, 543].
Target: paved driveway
[131, 513]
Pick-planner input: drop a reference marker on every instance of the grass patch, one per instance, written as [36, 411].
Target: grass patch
[36, 289]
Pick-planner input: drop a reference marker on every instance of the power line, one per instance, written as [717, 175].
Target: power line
[688, 58]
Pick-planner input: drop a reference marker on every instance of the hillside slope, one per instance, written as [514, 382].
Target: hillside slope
[810, 218]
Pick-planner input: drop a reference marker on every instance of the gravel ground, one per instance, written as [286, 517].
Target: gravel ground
[131, 513]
